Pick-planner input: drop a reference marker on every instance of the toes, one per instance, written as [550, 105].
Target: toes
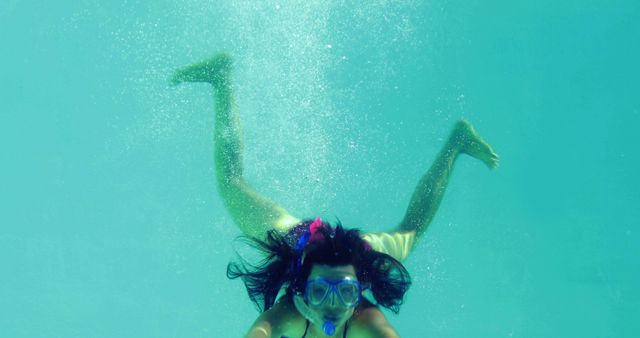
[174, 80]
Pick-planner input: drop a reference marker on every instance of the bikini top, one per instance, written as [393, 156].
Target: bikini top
[344, 333]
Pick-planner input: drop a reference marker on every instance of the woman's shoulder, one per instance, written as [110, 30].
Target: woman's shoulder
[285, 319]
[280, 320]
[369, 321]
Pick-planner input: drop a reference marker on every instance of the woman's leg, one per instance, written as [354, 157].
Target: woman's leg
[252, 212]
[431, 187]
[430, 190]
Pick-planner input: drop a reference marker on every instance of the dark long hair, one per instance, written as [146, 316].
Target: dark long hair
[286, 265]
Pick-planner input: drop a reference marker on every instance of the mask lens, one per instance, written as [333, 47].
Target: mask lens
[349, 293]
[317, 292]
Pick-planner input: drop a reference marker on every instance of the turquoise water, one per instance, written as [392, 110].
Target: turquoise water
[111, 225]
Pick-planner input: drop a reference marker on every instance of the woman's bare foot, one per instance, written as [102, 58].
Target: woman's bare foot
[465, 138]
[214, 70]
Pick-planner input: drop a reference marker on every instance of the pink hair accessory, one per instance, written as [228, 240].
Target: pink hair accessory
[313, 229]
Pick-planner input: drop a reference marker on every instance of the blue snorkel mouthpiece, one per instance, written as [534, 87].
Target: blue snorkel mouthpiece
[329, 328]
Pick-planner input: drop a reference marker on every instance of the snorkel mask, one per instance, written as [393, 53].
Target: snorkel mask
[319, 290]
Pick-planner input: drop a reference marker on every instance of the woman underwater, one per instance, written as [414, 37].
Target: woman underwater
[312, 281]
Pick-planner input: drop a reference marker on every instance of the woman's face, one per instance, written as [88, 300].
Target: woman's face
[333, 307]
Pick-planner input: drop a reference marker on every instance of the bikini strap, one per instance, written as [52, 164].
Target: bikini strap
[305, 329]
